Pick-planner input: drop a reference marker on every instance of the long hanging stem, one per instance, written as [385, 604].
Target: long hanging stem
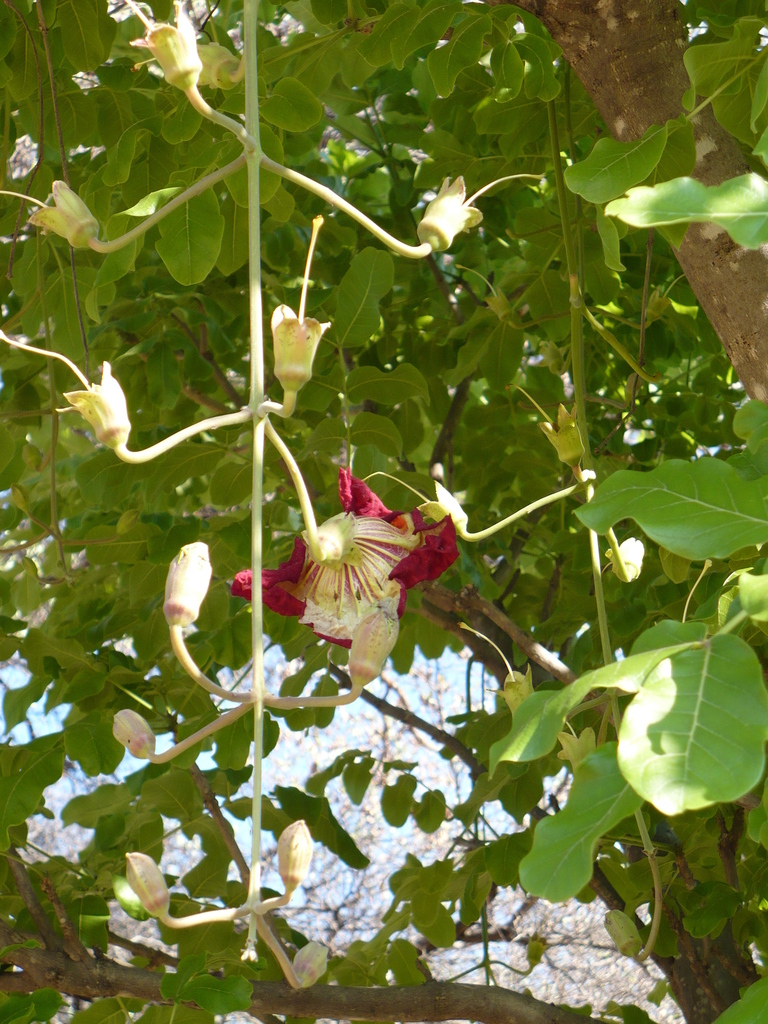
[578, 370]
[187, 663]
[231, 419]
[250, 27]
[534, 505]
[208, 730]
[301, 489]
[650, 853]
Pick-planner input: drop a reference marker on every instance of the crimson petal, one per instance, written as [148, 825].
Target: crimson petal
[431, 559]
[357, 497]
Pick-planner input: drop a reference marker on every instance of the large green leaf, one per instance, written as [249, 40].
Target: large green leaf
[190, 239]
[462, 51]
[695, 733]
[612, 167]
[36, 766]
[405, 381]
[369, 277]
[739, 205]
[751, 1008]
[564, 845]
[292, 106]
[701, 509]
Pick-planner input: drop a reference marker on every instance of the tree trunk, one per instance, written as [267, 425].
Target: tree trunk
[629, 56]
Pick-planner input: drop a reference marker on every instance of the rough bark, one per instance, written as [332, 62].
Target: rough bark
[101, 977]
[629, 56]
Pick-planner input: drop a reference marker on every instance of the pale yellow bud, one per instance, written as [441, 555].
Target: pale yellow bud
[565, 437]
[187, 584]
[105, 408]
[309, 963]
[447, 215]
[175, 50]
[146, 880]
[624, 933]
[220, 67]
[294, 853]
[371, 646]
[69, 217]
[294, 343]
[517, 686]
[446, 505]
[632, 551]
[576, 748]
[335, 537]
[130, 729]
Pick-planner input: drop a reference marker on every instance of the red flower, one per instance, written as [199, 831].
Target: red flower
[374, 556]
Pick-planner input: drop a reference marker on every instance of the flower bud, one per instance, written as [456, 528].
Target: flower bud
[146, 880]
[294, 343]
[309, 963]
[371, 646]
[294, 853]
[220, 66]
[632, 551]
[446, 505]
[624, 933]
[130, 729]
[565, 437]
[335, 537]
[516, 688]
[187, 584]
[69, 217]
[105, 408]
[536, 949]
[576, 748]
[175, 50]
[551, 357]
[447, 215]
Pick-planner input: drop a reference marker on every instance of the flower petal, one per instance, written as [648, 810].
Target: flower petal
[274, 596]
[431, 559]
[356, 496]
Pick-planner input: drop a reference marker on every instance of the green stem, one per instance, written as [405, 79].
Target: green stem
[301, 489]
[249, 136]
[618, 558]
[578, 371]
[187, 663]
[208, 730]
[253, 156]
[733, 623]
[616, 345]
[288, 703]
[650, 852]
[228, 420]
[539, 503]
[194, 190]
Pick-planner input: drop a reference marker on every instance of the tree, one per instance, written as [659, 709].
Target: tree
[556, 382]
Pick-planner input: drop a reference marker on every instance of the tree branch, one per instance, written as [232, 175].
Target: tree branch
[224, 827]
[469, 601]
[412, 721]
[31, 901]
[74, 946]
[451, 421]
[433, 1001]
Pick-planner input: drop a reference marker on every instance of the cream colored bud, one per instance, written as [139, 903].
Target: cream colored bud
[371, 646]
[175, 50]
[565, 437]
[446, 505]
[68, 217]
[623, 932]
[130, 729]
[309, 963]
[187, 584]
[447, 215]
[517, 686]
[294, 343]
[105, 408]
[220, 67]
[294, 853]
[146, 880]
[335, 537]
[632, 551]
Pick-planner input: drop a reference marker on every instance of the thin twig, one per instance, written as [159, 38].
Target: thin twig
[154, 956]
[73, 946]
[224, 827]
[31, 901]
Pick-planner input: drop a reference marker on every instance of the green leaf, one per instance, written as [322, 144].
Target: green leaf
[435, 18]
[613, 167]
[402, 960]
[218, 995]
[701, 509]
[396, 22]
[752, 1006]
[291, 106]
[35, 767]
[561, 860]
[540, 80]
[396, 800]
[174, 795]
[460, 52]
[760, 96]
[369, 382]
[695, 733]
[190, 239]
[370, 276]
[234, 243]
[502, 857]
[739, 205]
[609, 236]
[508, 69]
[381, 432]
[753, 593]
[710, 64]
[102, 1011]
[90, 742]
[87, 32]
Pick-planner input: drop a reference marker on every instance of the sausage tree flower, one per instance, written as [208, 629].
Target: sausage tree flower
[68, 217]
[104, 406]
[174, 47]
[376, 556]
[447, 215]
